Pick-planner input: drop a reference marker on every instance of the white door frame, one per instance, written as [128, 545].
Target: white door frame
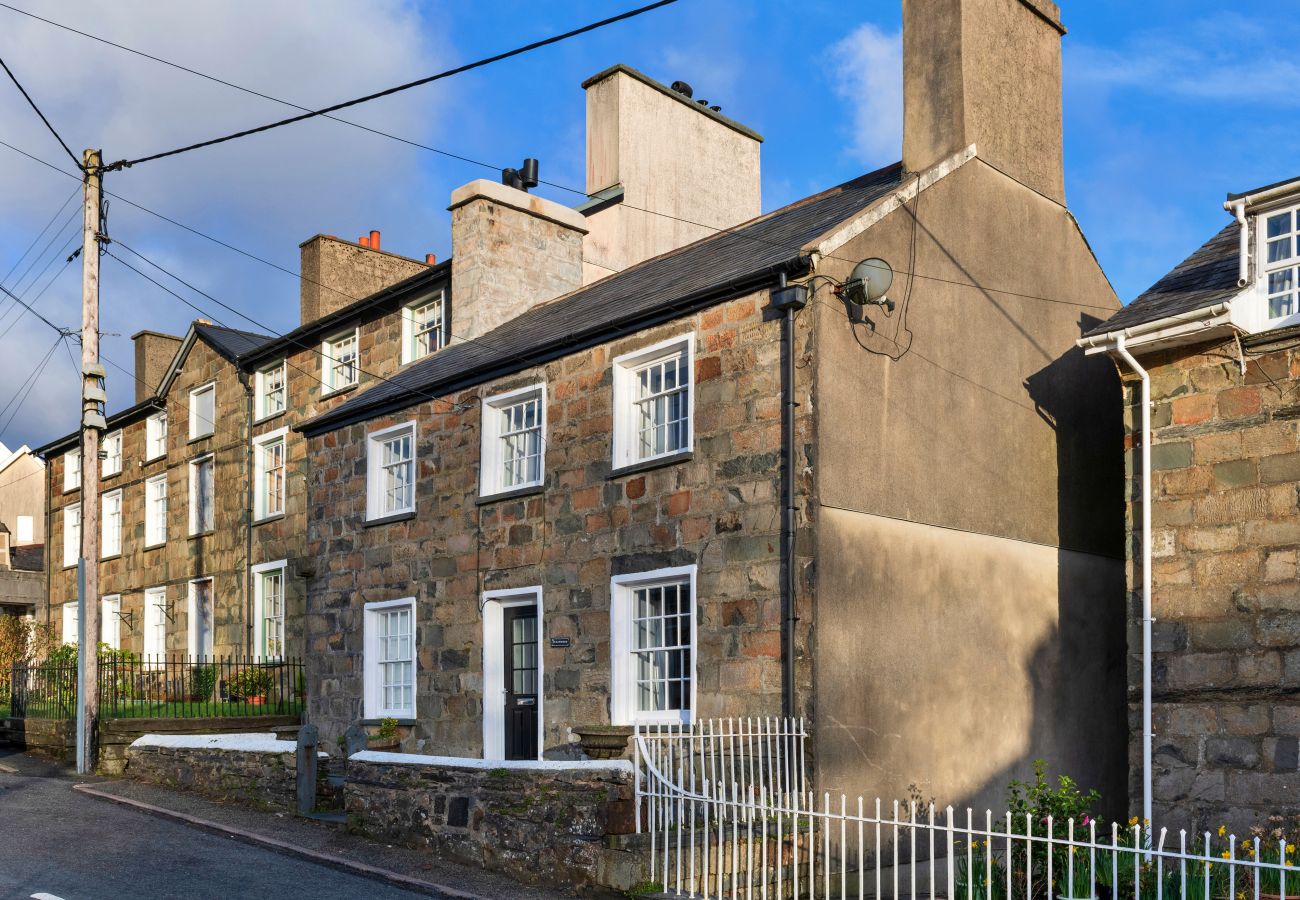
[191, 619]
[494, 677]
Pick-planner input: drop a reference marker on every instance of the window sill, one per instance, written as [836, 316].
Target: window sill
[199, 437]
[200, 534]
[399, 719]
[71, 490]
[110, 475]
[645, 465]
[117, 555]
[388, 520]
[158, 546]
[274, 517]
[155, 458]
[272, 416]
[512, 494]
[331, 393]
[67, 566]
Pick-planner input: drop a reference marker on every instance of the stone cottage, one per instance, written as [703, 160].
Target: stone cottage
[203, 482]
[22, 531]
[1212, 348]
[663, 472]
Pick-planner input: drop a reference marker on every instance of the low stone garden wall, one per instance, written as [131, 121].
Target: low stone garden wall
[55, 738]
[252, 769]
[539, 822]
[117, 735]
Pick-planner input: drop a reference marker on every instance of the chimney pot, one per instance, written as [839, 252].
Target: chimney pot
[430, 259]
[363, 241]
[374, 239]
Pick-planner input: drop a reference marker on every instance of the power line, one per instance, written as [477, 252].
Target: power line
[477, 64]
[20, 397]
[67, 226]
[36, 240]
[13, 307]
[27, 307]
[37, 298]
[37, 109]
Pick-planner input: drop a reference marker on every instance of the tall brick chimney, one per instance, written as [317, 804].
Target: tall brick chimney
[336, 273]
[154, 352]
[985, 72]
[510, 251]
[670, 154]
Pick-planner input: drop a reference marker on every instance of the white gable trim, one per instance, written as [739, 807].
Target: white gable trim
[836, 239]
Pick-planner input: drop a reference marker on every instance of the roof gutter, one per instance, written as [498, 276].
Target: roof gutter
[1106, 342]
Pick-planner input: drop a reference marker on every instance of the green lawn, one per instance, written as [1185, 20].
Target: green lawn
[183, 710]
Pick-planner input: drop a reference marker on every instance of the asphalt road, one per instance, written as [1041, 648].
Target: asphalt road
[57, 842]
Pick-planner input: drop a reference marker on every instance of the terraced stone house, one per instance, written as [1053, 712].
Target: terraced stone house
[1214, 344]
[662, 471]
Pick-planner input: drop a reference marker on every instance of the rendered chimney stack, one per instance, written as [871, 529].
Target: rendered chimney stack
[154, 352]
[988, 73]
[669, 155]
[336, 273]
[510, 251]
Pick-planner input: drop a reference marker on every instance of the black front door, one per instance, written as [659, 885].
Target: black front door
[521, 682]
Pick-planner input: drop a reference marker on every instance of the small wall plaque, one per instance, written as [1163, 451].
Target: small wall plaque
[561, 641]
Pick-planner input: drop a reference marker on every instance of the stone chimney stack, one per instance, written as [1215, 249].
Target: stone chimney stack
[336, 272]
[509, 251]
[985, 72]
[668, 152]
[154, 352]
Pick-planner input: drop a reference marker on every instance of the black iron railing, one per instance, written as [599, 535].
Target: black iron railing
[165, 687]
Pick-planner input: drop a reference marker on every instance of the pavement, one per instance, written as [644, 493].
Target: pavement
[87, 838]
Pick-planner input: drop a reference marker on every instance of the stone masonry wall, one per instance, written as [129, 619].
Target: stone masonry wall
[260, 778]
[1226, 595]
[540, 826]
[718, 509]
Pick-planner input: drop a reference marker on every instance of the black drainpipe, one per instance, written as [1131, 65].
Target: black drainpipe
[247, 381]
[789, 299]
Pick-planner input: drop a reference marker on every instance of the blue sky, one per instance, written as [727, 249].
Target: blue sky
[1168, 106]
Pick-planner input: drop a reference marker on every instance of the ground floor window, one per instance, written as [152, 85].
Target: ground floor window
[389, 659]
[155, 623]
[652, 646]
[71, 618]
[110, 621]
[201, 613]
[268, 600]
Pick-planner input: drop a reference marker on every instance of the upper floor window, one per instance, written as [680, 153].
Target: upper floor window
[271, 391]
[339, 361]
[653, 402]
[201, 472]
[390, 470]
[514, 428]
[26, 530]
[71, 470]
[155, 436]
[203, 410]
[155, 511]
[71, 534]
[269, 474]
[423, 328]
[112, 461]
[652, 646]
[1281, 237]
[110, 537]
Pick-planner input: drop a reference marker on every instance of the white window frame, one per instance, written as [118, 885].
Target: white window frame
[371, 681]
[262, 393]
[72, 470]
[191, 620]
[110, 623]
[195, 434]
[375, 494]
[155, 624]
[329, 383]
[622, 647]
[155, 535]
[155, 436]
[71, 523]
[26, 530]
[110, 501]
[71, 623]
[195, 524]
[111, 464]
[259, 606]
[1264, 268]
[492, 451]
[409, 334]
[625, 443]
[494, 605]
[262, 508]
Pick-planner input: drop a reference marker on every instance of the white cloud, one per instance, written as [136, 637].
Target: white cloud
[867, 73]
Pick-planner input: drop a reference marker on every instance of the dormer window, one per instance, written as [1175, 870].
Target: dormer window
[1281, 234]
[423, 328]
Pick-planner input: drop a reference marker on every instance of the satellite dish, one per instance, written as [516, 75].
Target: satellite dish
[870, 280]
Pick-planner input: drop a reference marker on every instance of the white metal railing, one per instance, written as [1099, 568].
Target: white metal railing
[758, 834]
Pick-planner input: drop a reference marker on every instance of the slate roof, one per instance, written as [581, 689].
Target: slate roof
[1207, 277]
[231, 342]
[29, 557]
[708, 271]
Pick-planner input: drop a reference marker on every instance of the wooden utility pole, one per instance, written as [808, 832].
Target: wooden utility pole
[92, 423]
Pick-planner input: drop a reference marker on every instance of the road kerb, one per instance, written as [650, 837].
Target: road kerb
[337, 862]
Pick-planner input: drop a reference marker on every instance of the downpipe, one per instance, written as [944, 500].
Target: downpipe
[788, 510]
[1145, 437]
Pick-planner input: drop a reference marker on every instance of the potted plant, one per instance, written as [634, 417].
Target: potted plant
[251, 685]
[603, 741]
[203, 681]
[386, 738]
